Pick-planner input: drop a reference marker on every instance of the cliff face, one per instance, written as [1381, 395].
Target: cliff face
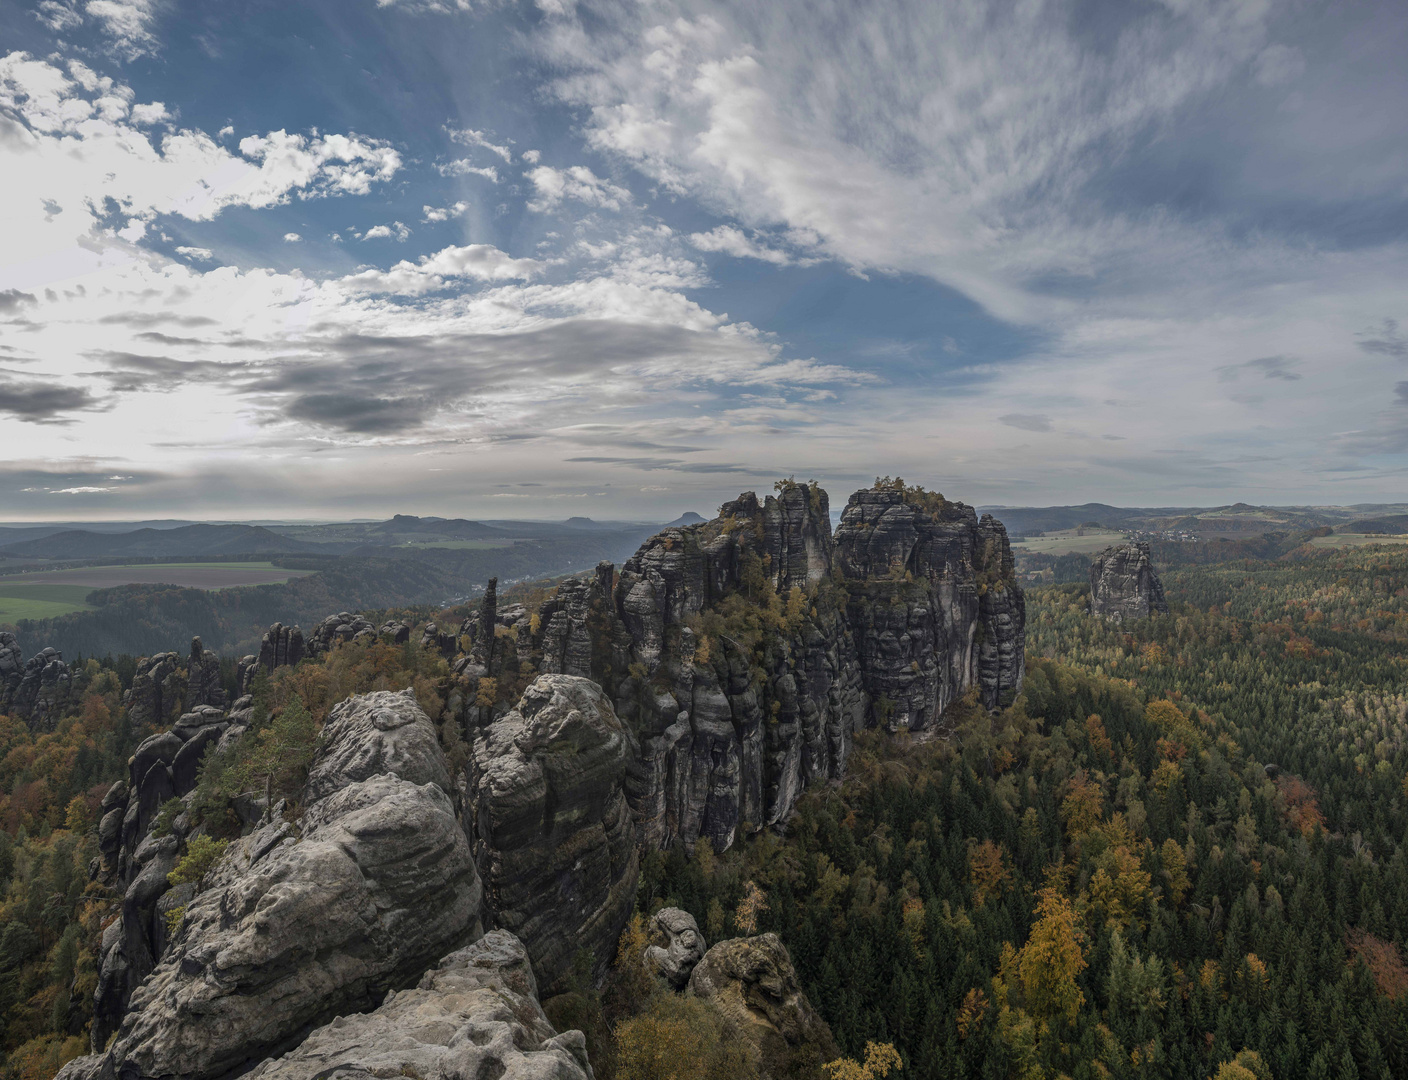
[1123, 585]
[743, 653]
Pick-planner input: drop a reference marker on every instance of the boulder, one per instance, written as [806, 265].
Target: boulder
[554, 836]
[676, 946]
[753, 983]
[475, 1014]
[290, 932]
[380, 732]
[1124, 586]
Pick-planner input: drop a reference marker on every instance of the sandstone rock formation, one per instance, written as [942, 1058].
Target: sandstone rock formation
[933, 603]
[301, 922]
[11, 669]
[158, 691]
[344, 626]
[676, 946]
[554, 837]
[475, 1014]
[281, 646]
[203, 686]
[753, 983]
[1123, 585]
[36, 690]
[912, 603]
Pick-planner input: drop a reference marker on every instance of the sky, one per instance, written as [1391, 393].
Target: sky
[624, 259]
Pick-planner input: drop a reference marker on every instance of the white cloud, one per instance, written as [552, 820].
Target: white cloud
[291, 238]
[444, 213]
[478, 262]
[94, 172]
[153, 113]
[728, 240]
[465, 167]
[386, 232]
[577, 183]
[470, 137]
[532, 156]
[200, 253]
[128, 23]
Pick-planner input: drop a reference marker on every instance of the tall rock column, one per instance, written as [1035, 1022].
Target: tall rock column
[554, 839]
[1124, 586]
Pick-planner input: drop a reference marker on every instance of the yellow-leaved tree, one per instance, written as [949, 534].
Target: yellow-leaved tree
[880, 1058]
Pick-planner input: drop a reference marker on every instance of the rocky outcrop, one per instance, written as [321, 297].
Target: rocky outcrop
[676, 946]
[301, 922]
[475, 1014]
[335, 629]
[371, 734]
[753, 983]
[158, 692]
[553, 834]
[744, 653]
[203, 685]
[281, 646]
[934, 604]
[11, 669]
[1123, 585]
[36, 690]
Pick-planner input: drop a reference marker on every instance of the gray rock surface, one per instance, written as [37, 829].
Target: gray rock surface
[380, 732]
[203, 685]
[290, 931]
[912, 604]
[554, 837]
[1124, 586]
[281, 646]
[474, 1015]
[753, 983]
[676, 946]
[158, 693]
[43, 689]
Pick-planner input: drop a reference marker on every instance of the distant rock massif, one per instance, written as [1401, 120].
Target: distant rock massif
[1124, 586]
[693, 695]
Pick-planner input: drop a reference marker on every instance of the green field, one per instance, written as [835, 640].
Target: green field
[1068, 541]
[40, 600]
[49, 593]
[1348, 540]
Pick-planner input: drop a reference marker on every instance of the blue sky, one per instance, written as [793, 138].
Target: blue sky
[624, 259]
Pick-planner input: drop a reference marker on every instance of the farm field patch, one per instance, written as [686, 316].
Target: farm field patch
[49, 593]
[1069, 541]
[40, 600]
[1352, 540]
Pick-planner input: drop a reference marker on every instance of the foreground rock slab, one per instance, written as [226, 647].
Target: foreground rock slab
[476, 1014]
[299, 923]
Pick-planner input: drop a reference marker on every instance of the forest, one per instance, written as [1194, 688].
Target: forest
[1178, 853]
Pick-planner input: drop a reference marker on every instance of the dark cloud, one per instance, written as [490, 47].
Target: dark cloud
[1269, 367]
[667, 465]
[1400, 391]
[1384, 340]
[1027, 421]
[11, 299]
[167, 339]
[142, 318]
[130, 373]
[358, 415]
[44, 403]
